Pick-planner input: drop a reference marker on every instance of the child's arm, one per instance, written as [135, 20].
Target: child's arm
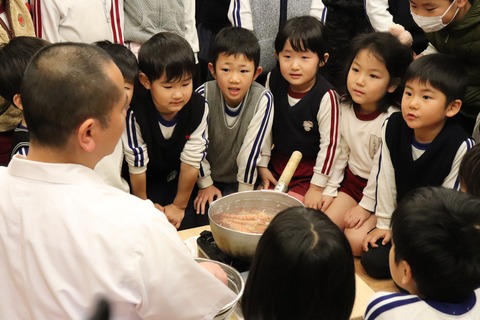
[175, 211]
[47, 16]
[250, 153]
[328, 123]
[452, 181]
[378, 14]
[240, 14]
[136, 155]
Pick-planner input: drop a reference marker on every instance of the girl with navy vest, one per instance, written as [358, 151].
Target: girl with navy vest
[167, 129]
[377, 64]
[306, 111]
[421, 146]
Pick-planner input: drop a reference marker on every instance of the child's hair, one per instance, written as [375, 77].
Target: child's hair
[304, 33]
[303, 267]
[437, 231]
[166, 53]
[386, 48]
[444, 73]
[65, 84]
[123, 58]
[14, 57]
[236, 41]
[469, 171]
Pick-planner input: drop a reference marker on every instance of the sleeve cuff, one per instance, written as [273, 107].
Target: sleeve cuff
[264, 160]
[244, 187]
[137, 170]
[204, 182]
[330, 191]
[319, 180]
[383, 223]
[367, 204]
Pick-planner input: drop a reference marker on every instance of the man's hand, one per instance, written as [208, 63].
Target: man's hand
[209, 194]
[373, 237]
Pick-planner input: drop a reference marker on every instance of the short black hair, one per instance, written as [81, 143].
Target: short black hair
[14, 57]
[166, 53]
[469, 171]
[302, 268]
[437, 231]
[443, 72]
[65, 84]
[388, 49]
[304, 33]
[123, 58]
[236, 41]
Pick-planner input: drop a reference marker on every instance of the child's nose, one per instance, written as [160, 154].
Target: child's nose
[234, 78]
[360, 80]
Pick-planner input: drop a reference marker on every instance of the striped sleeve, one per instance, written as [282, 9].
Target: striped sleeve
[250, 152]
[328, 123]
[135, 149]
[117, 20]
[318, 10]
[47, 15]
[453, 180]
[195, 150]
[240, 14]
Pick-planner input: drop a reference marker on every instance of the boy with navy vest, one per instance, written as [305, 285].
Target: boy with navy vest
[241, 115]
[421, 146]
[167, 128]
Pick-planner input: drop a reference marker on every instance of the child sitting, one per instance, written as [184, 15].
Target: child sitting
[110, 167]
[306, 111]
[167, 128]
[241, 115]
[421, 146]
[377, 65]
[469, 171]
[302, 269]
[435, 257]
[14, 58]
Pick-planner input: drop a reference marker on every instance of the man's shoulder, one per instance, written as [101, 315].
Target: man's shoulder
[388, 305]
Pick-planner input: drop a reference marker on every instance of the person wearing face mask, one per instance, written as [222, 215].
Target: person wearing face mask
[453, 27]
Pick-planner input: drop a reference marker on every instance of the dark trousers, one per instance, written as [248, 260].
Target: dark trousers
[375, 261]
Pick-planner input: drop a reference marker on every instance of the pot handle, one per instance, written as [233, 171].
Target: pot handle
[287, 174]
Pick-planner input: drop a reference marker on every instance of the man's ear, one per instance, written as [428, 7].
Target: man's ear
[325, 60]
[142, 77]
[17, 101]
[86, 134]
[454, 108]
[211, 68]
[257, 73]
[394, 83]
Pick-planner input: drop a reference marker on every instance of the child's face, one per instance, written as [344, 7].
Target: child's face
[368, 81]
[434, 8]
[128, 86]
[234, 74]
[299, 68]
[425, 110]
[169, 97]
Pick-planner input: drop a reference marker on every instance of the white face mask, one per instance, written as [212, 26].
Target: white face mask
[433, 24]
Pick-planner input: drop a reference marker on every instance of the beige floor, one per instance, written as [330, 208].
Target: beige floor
[375, 284]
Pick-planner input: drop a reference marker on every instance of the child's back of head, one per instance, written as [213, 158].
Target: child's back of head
[123, 58]
[437, 232]
[167, 54]
[443, 72]
[302, 268]
[14, 57]
[236, 41]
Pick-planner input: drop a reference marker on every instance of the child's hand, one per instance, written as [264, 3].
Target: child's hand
[314, 197]
[209, 194]
[355, 217]
[174, 214]
[267, 177]
[327, 201]
[373, 237]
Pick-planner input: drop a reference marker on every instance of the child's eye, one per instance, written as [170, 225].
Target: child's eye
[354, 69]
[186, 84]
[244, 71]
[407, 93]
[167, 87]
[225, 69]
[426, 97]
[374, 76]
[305, 57]
[286, 56]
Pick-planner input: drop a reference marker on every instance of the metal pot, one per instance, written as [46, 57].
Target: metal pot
[240, 244]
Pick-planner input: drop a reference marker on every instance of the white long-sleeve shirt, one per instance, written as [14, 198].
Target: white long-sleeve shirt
[248, 156]
[79, 21]
[136, 153]
[380, 194]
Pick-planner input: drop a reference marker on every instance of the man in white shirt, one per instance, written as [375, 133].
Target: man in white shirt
[67, 238]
